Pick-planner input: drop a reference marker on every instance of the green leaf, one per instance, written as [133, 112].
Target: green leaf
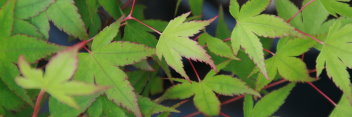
[96, 109]
[174, 43]
[112, 7]
[100, 66]
[24, 27]
[248, 106]
[58, 71]
[156, 85]
[205, 100]
[217, 46]
[292, 69]
[143, 37]
[7, 18]
[149, 107]
[343, 108]
[253, 8]
[89, 11]
[65, 16]
[180, 91]
[226, 85]
[286, 9]
[42, 23]
[9, 100]
[337, 7]
[58, 109]
[271, 102]
[335, 55]
[196, 6]
[222, 29]
[29, 8]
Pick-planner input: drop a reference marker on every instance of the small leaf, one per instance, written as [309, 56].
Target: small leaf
[58, 71]
[105, 36]
[226, 85]
[65, 16]
[337, 7]
[174, 43]
[248, 106]
[112, 7]
[217, 46]
[222, 29]
[42, 23]
[271, 102]
[180, 91]
[7, 18]
[205, 100]
[24, 27]
[253, 8]
[149, 107]
[29, 8]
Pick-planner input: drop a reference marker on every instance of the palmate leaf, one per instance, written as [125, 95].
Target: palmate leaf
[196, 6]
[55, 80]
[337, 7]
[250, 25]
[270, 103]
[29, 8]
[174, 43]
[65, 16]
[343, 108]
[336, 54]
[204, 92]
[100, 66]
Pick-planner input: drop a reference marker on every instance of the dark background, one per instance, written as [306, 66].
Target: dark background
[303, 101]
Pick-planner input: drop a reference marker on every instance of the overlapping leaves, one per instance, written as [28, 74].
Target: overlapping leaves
[250, 25]
[174, 43]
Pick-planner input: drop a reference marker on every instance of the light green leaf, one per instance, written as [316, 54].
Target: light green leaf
[29, 8]
[292, 69]
[343, 108]
[42, 23]
[65, 16]
[336, 54]
[149, 107]
[227, 85]
[174, 43]
[180, 91]
[286, 9]
[24, 27]
[217, 46]
[105, 36]
[58, 71]
[196, 6]
[271, 102]
[58, 109]
[7, 18]
[205, 100]
[253, 8]
[143, 37]
[337, 7]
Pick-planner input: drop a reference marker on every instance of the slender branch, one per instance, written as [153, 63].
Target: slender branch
[232, 99]
[194, 69]
[132, 9]
[322, 93]
[300, 10]
[305, 34]
[37, 103]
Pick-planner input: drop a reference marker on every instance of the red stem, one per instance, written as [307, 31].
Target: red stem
[300, 10]
[37, 103]
[322, 93]
[146, 25]
[194, 69]
[192, 114]
[305, 34]
[232, 99]
[132, 9]
[266, 50]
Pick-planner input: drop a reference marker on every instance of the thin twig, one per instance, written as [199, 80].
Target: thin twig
[194, 69]
[322, 93]
[300, 10]
[37, 103]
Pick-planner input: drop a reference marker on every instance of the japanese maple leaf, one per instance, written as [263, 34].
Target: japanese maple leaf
[101, 65]
[250, 25]
[204, 91]
[56, 80]
[337, 7]
[174, 43]
[336, 55]
[12, 46]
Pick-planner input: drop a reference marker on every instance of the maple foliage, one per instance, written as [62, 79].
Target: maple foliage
[122, 58]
